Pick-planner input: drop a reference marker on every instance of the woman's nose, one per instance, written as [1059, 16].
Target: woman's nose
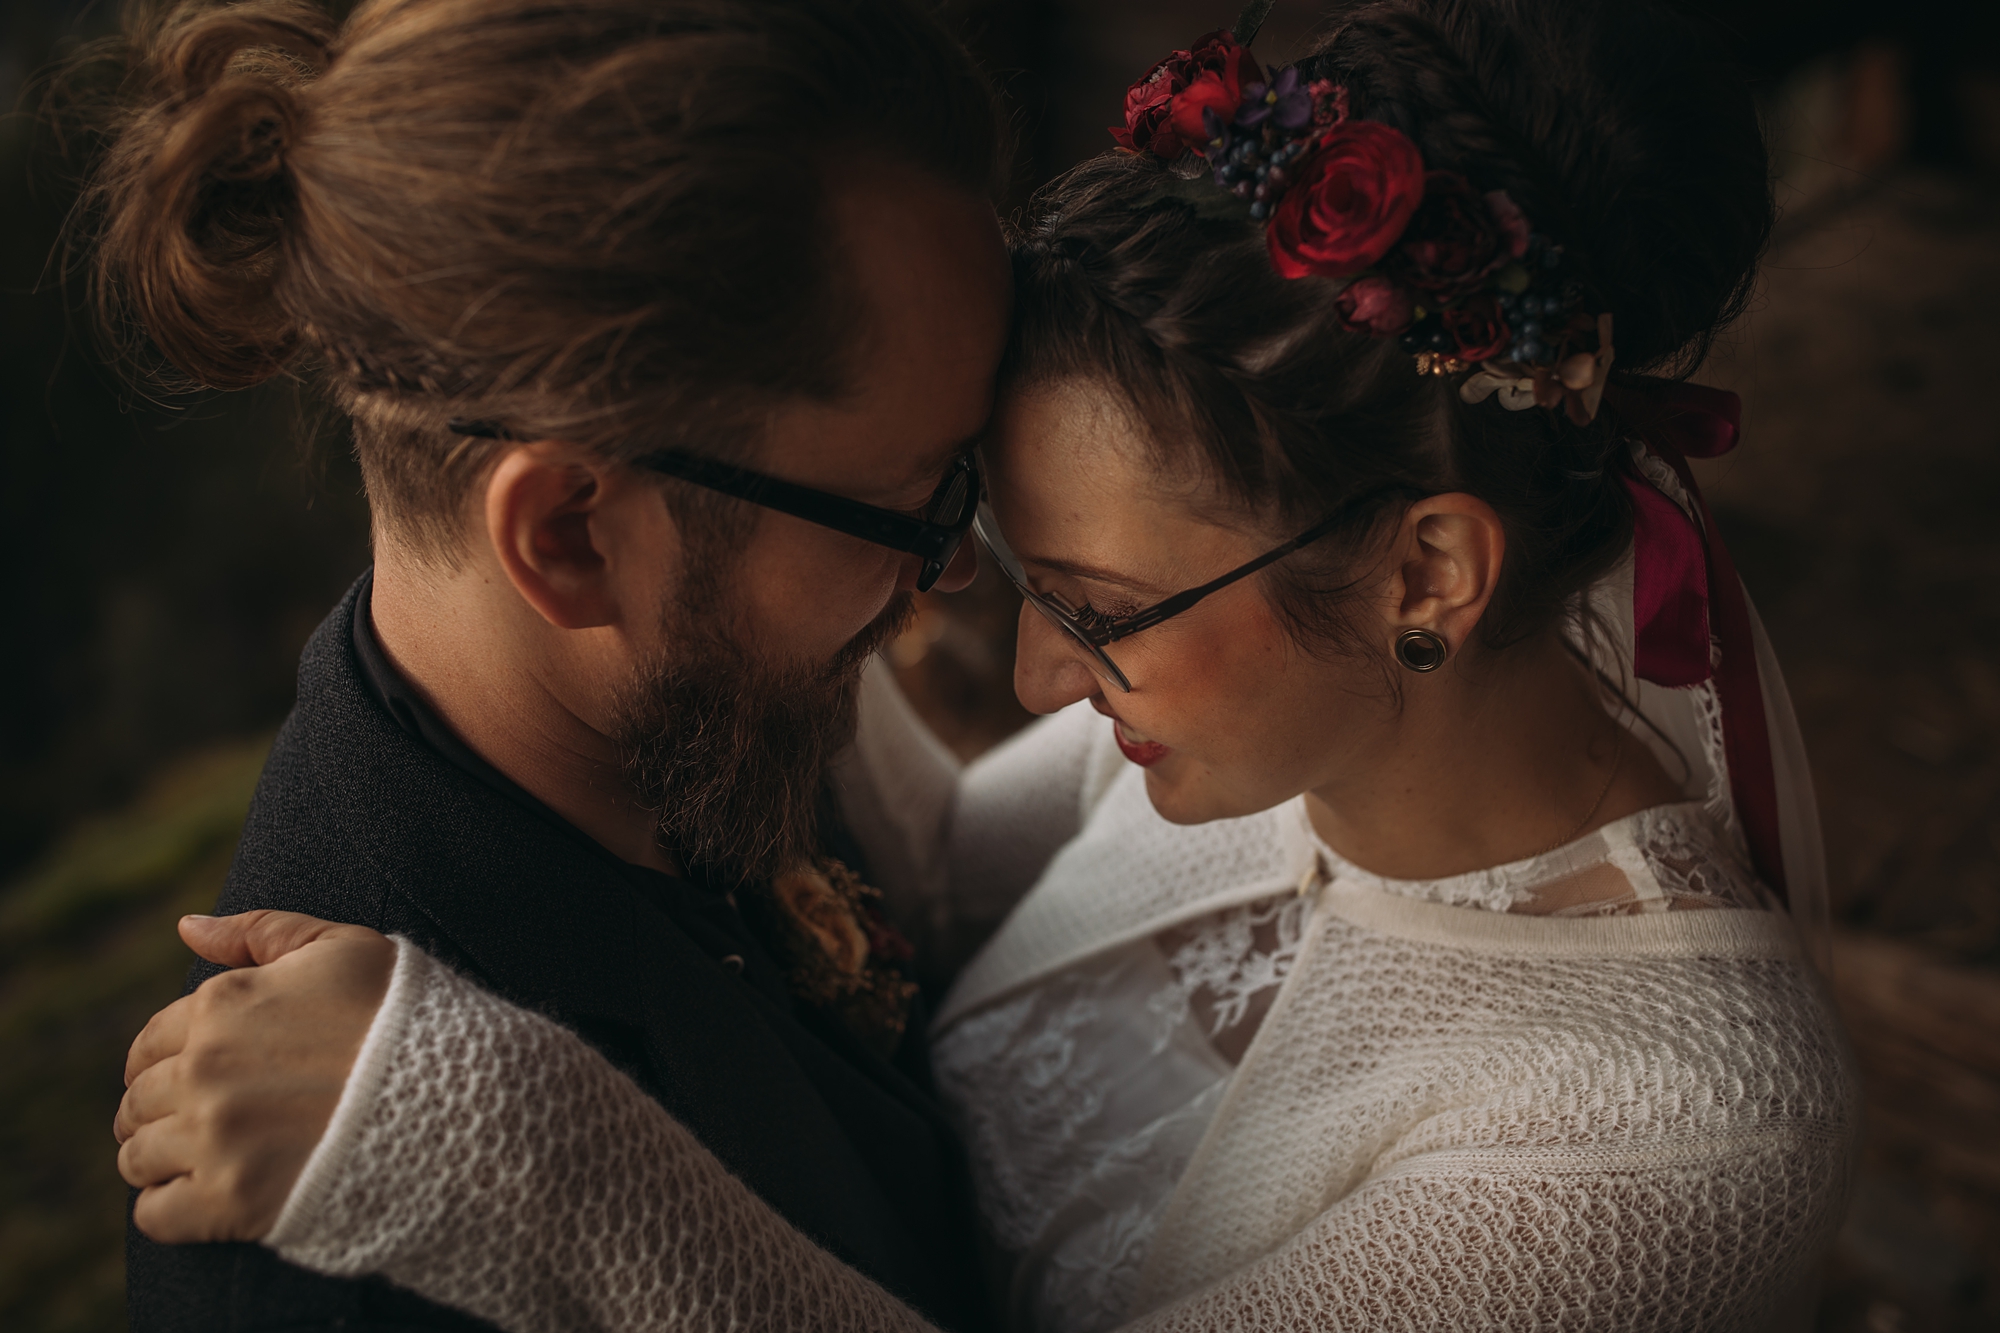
[1049, 673]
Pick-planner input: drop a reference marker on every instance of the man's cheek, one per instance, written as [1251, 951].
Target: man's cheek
[803, 602]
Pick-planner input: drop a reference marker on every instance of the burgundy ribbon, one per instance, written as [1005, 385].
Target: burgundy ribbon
[1683, 581]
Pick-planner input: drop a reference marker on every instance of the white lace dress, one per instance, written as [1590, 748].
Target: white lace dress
[1084, 1097]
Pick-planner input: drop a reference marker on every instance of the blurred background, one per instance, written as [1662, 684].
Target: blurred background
[165, 562]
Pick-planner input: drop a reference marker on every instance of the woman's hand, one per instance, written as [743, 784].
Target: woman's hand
[228, 1090]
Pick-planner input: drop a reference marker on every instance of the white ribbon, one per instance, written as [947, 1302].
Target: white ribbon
[1517, 392]
[1583, 375]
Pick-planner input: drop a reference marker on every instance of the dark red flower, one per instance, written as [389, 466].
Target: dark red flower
[1329, 103]
[1163, 110]
[1478, 329]
[1511, 223]
[1376, 306]
[1219, 69]
[1148, 103]
[1454, 240]
[1349, 201]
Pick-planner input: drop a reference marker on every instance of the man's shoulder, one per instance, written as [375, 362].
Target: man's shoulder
[354, 819]
[336, 797]
[296, 852]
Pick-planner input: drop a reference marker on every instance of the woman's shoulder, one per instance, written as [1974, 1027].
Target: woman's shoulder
[1666, 858]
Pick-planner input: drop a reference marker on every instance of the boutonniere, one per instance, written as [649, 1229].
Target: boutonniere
[840, 952]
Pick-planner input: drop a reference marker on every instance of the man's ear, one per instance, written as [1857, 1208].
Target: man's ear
[1445, 566]
[544, 517]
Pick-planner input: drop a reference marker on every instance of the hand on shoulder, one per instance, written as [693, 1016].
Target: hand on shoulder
[228, 1090]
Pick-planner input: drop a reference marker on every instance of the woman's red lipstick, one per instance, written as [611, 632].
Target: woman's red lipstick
[1143, 753]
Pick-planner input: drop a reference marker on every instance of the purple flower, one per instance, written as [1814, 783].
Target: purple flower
[1282, 102]
[1218, 137]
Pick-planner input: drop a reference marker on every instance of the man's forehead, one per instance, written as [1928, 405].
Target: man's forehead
[930, 279]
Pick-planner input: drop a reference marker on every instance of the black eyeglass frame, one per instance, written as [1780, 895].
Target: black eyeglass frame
[934, 538]
[1097, 635]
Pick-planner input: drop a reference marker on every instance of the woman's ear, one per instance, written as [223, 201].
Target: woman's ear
[543, 517]
[1445, 567]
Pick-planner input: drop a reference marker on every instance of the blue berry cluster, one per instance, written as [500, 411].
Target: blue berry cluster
[1537, 317]
[1272, 127]
[1536, 309]
[1255, 170]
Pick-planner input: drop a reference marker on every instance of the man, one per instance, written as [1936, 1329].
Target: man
[590, 685]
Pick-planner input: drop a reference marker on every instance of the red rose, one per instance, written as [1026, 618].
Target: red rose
[1350, 199]
[1454, 239]
[1163, 110]
[1376, 306]
[1478, 329]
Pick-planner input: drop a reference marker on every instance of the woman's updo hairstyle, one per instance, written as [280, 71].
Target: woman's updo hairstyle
[601, 221]
[1623, 136]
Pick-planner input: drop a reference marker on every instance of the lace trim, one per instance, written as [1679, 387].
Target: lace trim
[1227, 968]
[1659, 859]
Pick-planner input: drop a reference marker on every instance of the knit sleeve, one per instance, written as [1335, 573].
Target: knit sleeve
[1499, 1239]
[489, 1159]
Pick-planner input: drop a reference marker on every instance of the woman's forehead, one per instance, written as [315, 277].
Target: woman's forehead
[1076, 479]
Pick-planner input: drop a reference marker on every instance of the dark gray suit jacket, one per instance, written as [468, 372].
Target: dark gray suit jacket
[370, 811]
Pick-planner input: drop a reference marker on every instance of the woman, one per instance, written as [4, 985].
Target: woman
[1407, 950]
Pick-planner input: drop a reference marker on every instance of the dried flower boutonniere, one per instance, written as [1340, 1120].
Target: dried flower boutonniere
[839, 950]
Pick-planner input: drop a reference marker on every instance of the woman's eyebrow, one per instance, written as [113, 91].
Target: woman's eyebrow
[1081, 570]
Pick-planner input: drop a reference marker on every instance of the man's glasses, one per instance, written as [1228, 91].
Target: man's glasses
[1092, 632]
[933, 534]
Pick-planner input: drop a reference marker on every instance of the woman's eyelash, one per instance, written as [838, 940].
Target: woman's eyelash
[1092, 618]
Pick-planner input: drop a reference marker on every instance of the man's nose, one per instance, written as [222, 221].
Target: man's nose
[1049, 672]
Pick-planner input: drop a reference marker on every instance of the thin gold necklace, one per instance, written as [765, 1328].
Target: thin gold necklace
[1617, 759]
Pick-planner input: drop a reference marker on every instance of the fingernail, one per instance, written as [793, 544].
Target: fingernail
[197, 916]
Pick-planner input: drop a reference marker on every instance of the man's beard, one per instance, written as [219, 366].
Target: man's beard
[728, 752]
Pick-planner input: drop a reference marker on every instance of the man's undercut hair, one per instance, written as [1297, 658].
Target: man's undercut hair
[603, 221]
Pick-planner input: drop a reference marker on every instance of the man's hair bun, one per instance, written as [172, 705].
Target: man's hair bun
[195, 196]
[600, 221]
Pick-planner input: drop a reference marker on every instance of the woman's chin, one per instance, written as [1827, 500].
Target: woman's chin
[1183, 797]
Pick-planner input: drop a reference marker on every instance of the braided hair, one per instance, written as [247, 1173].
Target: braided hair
[1619, 129]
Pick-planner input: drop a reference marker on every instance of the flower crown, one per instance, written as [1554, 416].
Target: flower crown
[1458, 276]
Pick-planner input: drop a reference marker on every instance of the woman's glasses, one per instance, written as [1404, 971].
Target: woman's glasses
[1092, 632]
[933, 534]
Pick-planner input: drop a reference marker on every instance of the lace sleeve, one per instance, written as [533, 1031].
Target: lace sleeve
[1503, 1240]
[489, 1159]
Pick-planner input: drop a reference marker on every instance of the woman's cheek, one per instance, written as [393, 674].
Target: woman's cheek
[1220, 719]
